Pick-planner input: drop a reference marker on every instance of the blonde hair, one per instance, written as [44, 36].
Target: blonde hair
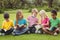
[17, 15]
[43, 13]
[34, 10]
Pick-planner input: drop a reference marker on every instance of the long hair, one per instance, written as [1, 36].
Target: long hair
[18, 14]
[43, 13]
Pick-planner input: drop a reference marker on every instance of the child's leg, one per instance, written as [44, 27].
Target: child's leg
[9, 31]
[47, 31]
[33, 29]
[56, 30]
[24, 30]
[19, 32]
[2, 31]
[38, 29]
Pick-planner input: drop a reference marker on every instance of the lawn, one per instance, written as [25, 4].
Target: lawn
[27, 36]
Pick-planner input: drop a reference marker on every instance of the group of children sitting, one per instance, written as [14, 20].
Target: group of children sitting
[47, 25]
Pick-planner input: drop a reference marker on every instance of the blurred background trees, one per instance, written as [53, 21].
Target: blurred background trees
[28, 4]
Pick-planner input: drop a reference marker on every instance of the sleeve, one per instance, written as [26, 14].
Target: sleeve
[37, 20]
[25, 22]
[14, 22]
[50, 20]
[59, 21]
[28, 18]
[47, 19]
[3, 25]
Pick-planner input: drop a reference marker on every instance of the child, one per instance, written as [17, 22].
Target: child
[54, 23]
[20, 24]
[32, 21]
[44, 21]
[7, 26]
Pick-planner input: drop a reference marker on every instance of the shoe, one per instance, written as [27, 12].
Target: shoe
[55, 34]
[2, 34]
[36, 31]
[13, 34]
[28, 32]
[39, 32]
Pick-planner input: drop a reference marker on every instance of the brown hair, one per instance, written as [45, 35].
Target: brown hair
[17, 16]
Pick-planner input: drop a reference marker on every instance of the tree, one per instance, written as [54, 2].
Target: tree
[38, 2]
[50, 3]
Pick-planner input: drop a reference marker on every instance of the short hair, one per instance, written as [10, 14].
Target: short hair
[6, 15]
[54, 12]
[34, 10]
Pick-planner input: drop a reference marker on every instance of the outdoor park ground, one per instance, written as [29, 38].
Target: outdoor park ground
[27, 36]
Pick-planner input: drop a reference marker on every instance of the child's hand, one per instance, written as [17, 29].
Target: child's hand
[21, 25]
[15, 27]
[5, 30]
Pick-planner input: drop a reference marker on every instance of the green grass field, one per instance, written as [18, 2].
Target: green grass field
[27, 36]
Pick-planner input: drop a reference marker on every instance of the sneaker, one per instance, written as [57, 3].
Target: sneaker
[13, 34]
[2, 34]
[28, 32]
[36, 31]
[55, 34]
[39, 32]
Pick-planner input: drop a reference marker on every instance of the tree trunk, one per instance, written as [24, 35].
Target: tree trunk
[50, 3]
[38, 2]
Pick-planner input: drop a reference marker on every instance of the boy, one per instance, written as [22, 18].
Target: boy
[6, 26]
[54, 23]
[32, 21]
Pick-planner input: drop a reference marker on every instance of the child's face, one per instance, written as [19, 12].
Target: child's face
[20, 15]
[53, 15]
[34, 14]
[6, 19]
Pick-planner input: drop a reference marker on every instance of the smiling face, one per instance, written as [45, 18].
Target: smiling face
[19, 15]
[53, 15]
[34, 12]
[43, 13]
[6, 16]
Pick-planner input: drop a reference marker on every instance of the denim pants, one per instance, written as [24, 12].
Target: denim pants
[20, 31]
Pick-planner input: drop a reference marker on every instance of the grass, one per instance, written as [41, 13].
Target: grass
[27, 36]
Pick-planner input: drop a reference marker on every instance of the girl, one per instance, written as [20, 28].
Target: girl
[20, 24]
[44, 21]
[33, 21]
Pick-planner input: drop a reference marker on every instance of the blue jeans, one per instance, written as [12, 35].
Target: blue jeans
[19, 32]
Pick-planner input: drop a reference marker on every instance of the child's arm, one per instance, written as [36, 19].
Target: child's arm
[12, 25]
[46, 23]
[59, 24]
[49, 24]
[25, 23]
[3, 25]
[36, 21]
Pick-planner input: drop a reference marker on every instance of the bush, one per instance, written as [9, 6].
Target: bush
[1, 10]
[57, 8]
